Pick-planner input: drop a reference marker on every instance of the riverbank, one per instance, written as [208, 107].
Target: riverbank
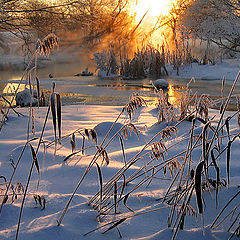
[227, 68]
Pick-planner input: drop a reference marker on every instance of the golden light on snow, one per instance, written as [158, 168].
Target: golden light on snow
[9, 89]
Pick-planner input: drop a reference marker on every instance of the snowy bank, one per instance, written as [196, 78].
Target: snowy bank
[228, 68]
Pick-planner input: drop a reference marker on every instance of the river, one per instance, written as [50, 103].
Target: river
[92, 90]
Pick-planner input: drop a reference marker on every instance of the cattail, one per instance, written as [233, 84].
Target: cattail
[93, 135]
[73, 142]
[86, 133]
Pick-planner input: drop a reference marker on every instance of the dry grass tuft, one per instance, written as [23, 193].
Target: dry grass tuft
[172, 166]
[45, 46]
[165, 108]
[129, 128]
[168, 131]
[202, 106]
[135, 102]
[158, 148]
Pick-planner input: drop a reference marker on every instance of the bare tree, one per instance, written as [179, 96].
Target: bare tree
[95, 21]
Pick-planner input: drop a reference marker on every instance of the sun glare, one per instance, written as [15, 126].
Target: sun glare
[154, 8]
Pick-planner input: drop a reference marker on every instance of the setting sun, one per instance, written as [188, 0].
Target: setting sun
[154, 8]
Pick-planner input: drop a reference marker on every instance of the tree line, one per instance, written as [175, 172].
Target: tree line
[213, 21]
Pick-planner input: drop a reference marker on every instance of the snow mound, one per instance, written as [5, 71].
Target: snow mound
[23, 98]
[102, 128]
[161, 83]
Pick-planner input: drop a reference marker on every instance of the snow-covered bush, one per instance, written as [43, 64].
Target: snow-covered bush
[107, 63]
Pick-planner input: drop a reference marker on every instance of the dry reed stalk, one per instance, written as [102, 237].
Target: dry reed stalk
[238, 108]
[135, 102]
[33, 122]
[204, 153]
[13, 173]
[9, 103]
[236, 232]
[103, 153]
[133, 190]
[157, 149]
[181, 222]
[134, 176]
[217, 174]
[115, 197]
[25, 193]
[130, 127]
[176, 197]
[187, 157]
[100, 185]
[222, 94]
[144, 180]
[197, 186]
[45, 47]
[30, 173]
[73, 143]
[15, 93]
[172, 166]
[38, 91]
[165, 109]
[122, 147]
[197, 177]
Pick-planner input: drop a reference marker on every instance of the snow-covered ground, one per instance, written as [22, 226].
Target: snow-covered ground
[58, 178]
[227, 67]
